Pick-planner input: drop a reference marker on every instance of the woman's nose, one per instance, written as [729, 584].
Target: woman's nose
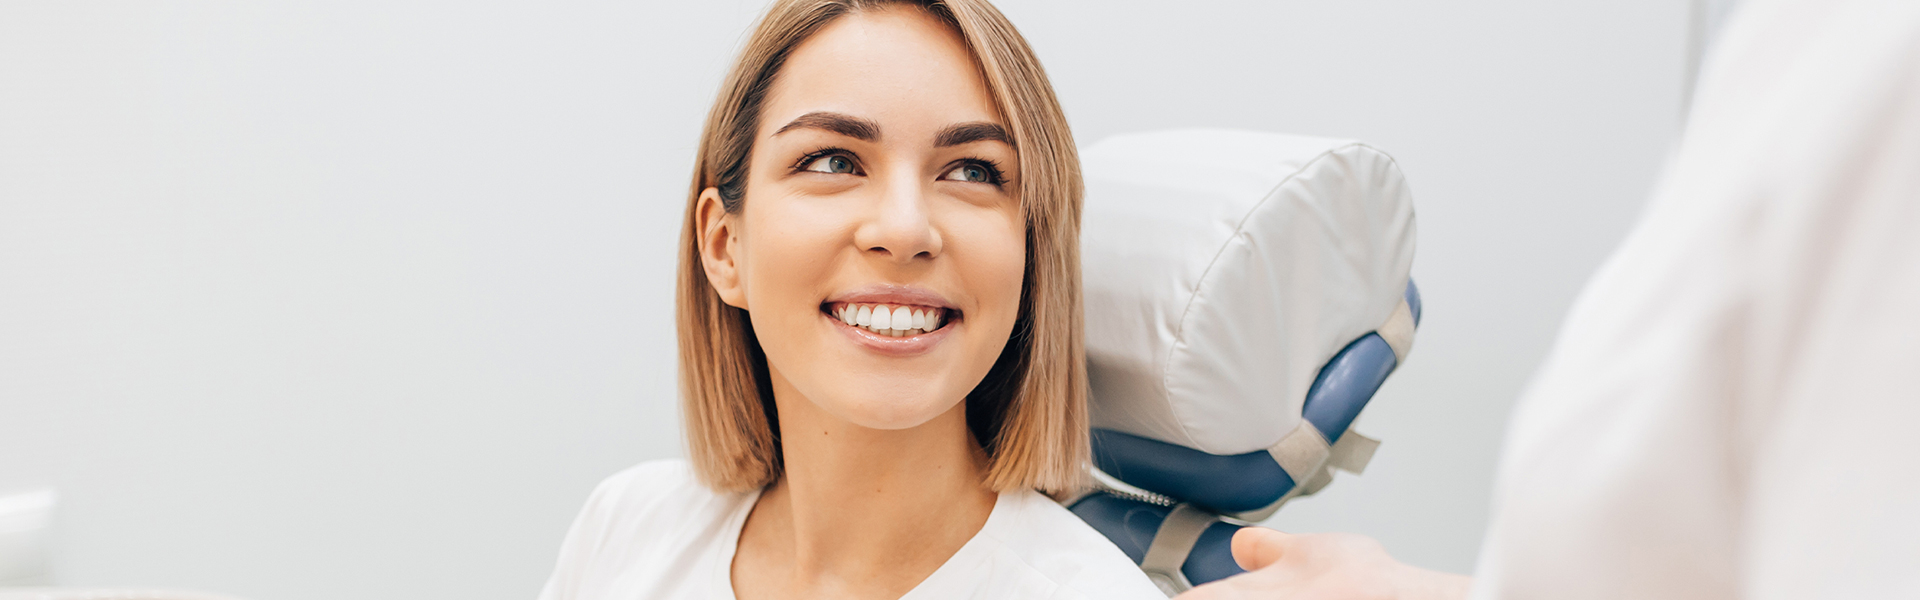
[900, 226]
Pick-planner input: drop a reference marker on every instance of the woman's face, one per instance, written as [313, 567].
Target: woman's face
[881, 248]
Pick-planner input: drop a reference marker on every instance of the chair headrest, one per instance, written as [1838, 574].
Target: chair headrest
[1247, 293]
[1223, 269]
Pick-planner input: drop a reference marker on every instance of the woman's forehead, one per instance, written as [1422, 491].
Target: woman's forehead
[899, 68]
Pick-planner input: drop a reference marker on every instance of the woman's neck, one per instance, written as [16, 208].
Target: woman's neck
[861, 512]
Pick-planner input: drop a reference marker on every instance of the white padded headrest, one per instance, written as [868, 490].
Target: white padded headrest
[1224, 268]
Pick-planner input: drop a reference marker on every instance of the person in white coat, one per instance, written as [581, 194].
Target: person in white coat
[1730, 410]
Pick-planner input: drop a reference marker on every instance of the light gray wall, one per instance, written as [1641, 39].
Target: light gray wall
[358, 299]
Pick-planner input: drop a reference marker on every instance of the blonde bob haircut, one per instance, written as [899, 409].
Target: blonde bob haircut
[1029, 413]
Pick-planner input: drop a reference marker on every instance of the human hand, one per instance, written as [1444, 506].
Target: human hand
[1324, 566]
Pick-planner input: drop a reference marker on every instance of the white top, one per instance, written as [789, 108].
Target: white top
[654, 532]
[1731, 408]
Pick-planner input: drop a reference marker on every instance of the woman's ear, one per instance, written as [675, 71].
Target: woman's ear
[720, 248]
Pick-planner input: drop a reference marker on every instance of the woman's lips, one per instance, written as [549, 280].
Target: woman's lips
[893, 342]
[896, 320]
[891, 320]
[904, 295]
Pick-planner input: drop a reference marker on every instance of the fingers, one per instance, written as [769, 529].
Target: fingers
[1245, 586]
[1211, 591]
[1256, 547]
[1323, 566]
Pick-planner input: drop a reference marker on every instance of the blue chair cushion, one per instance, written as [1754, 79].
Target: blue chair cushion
[1132, 523]
[1243, 482]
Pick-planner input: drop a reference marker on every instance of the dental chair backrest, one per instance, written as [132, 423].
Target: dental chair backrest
[1246, 294]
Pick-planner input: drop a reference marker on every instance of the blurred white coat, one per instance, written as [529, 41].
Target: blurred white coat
[1731, 408]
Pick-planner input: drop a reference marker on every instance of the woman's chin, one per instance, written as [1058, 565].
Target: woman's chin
[893, 413]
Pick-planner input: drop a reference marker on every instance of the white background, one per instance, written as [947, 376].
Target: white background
[358, 299]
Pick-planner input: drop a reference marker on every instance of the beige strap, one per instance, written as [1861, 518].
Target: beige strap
[1350, 454]
[1398, 332]
[1171, 545]
[1305, 446]
[1301, 452]
[1353, 452]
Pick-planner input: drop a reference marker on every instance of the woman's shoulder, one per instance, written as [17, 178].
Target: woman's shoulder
[638, 531]
[651, 480]
[654, 503]
[1049, 540]
[655, 490]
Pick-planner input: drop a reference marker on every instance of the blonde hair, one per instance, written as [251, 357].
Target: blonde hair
[1029, 413]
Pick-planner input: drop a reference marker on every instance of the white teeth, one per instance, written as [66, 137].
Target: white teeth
[890, 321]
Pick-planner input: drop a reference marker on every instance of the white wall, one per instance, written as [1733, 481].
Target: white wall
[358, 299]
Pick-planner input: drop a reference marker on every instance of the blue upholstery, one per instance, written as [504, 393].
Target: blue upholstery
[1243, 482]
[1132, 523]
[1413, 300]
[1232, 483]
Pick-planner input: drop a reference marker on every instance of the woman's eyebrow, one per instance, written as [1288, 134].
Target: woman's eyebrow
[847, 125]
[977, 131]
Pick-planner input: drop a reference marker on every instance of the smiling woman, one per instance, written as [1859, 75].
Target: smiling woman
[880, 331]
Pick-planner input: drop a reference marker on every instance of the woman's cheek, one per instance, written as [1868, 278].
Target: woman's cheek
[789, 254]
[1000, 271]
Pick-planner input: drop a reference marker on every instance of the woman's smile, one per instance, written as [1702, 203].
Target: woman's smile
[893, 320]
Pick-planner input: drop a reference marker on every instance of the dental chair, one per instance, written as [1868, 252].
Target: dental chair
[1246, 294]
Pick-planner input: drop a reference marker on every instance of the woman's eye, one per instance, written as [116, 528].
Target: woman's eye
[970, 172]
[835, 163]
